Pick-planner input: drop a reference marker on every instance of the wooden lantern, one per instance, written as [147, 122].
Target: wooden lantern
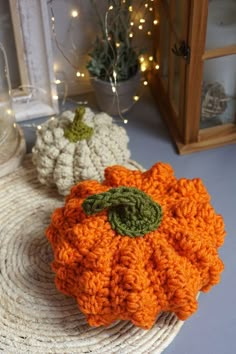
[195, 85]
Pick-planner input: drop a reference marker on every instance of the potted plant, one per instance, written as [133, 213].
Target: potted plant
[114, 61]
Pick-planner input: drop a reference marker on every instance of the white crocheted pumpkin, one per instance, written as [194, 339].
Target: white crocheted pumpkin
[78, 146]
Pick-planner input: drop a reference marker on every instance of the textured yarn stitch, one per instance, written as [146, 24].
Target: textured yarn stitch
[64, 163]
[120, 277]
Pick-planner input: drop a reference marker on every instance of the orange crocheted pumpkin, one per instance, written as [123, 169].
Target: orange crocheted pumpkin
[136, 244]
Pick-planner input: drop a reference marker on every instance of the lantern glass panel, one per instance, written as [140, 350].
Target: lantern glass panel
[221, 24]
[218, 104]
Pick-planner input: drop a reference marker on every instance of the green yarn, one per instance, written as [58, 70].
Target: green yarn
[78, 130]
[131, 212]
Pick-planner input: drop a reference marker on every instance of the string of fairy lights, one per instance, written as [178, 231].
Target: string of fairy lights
[141, 25]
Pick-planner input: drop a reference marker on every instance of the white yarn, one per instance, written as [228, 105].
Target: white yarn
[62, 163]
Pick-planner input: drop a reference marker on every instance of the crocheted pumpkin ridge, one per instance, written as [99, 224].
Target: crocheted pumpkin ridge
[115, 277]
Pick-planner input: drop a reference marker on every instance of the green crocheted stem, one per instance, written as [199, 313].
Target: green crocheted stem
[78, 130]
[131, 212]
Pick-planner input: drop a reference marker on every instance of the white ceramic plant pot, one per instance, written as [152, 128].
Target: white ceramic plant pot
[115, 103]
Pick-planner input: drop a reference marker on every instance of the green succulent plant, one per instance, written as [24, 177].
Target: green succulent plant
[113, 49]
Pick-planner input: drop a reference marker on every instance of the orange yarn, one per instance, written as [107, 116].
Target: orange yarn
[119, 277]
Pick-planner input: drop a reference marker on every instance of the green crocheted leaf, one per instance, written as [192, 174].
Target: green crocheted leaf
[131, 212]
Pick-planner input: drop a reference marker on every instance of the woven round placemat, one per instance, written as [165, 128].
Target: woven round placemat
[34, 316]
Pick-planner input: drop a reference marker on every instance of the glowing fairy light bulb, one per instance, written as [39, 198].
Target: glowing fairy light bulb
[110, 8]
[145, 83]
[157, 67]
[130, 8]
[136, 98]
[131, 23]
[78, 74]
[53, 19]
[143, 67]
[117, 44]
[149, 33]
[82, 74]
[125, 121]
[146, 5]
[150, 58]
[131, 35]
[74, 13]
[141, 59]
[55, 97]
[155, 22]
[113, 89]
[142, 20]
[150, 9]
[114, 75]
[55, 66]
[140, 27]
[57, 81]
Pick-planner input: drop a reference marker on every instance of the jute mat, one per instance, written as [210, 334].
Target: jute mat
[34, 316]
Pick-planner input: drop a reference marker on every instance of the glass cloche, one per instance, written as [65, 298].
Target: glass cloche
[11, 149]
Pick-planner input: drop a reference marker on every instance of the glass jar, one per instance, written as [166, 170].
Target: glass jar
[9, 138]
